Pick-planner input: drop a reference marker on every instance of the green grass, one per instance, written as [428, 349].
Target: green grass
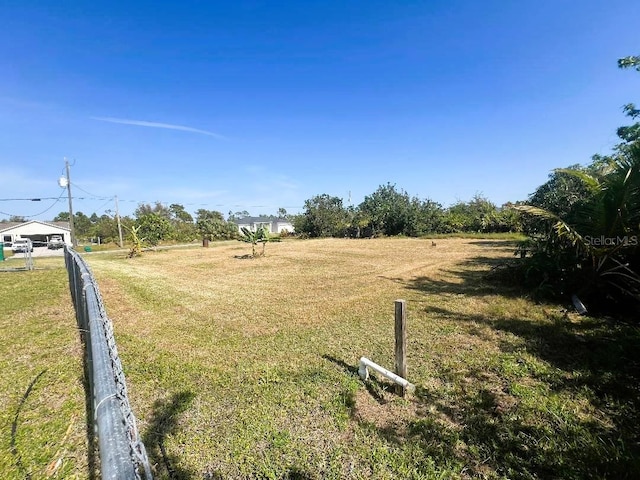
[246, 368]
[42, 412]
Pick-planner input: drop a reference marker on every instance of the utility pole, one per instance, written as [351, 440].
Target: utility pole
[119, 224]
[74, 242]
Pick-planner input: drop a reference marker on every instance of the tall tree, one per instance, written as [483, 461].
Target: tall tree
[106, 228]
[323, 216]
[82, 225]
[153, 227]
[234, 217]
[388, 209]
[477, 215]
[179, 214]
[157, 208]
[630, 134]
[184, 229]
[212, 226]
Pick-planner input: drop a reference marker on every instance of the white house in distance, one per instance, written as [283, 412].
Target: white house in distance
[277, 225]
[39, 232]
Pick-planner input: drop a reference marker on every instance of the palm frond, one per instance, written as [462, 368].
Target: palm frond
[590, 181]
[561, 228]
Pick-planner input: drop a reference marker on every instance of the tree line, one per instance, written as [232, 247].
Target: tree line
[154, 223]
[391, 211]
[388, 211]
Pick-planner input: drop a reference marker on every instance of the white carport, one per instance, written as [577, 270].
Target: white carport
[39, 232]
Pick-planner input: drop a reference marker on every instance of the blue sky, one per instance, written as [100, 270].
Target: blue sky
[260, 105]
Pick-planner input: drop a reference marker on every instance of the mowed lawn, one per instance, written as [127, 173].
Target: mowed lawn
[42, 399]
[247, 368]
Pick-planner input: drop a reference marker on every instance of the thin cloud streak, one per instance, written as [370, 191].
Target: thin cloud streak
[142, 123]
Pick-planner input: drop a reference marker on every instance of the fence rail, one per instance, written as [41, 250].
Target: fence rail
[122, 453]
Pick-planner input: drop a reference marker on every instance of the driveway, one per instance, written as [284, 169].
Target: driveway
[42, 252]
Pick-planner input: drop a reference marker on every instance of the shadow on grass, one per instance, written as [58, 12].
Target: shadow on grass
[562, 400]
[164, 422]
[594, 361]
[246, 256]
[14, 428]
[477, 276]
[373, 385]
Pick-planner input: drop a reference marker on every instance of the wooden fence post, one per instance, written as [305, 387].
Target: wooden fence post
[401, 343]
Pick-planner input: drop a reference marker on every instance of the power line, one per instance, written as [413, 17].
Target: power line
[105, 203]
[35, 215]
[97, 197]
[109, 199]
[27, 199]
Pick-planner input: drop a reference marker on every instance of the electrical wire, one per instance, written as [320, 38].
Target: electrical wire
[27, 199]
[105, 203]
[35, 215]
[97, 197]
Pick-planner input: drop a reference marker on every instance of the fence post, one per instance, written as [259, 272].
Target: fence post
[401, 343]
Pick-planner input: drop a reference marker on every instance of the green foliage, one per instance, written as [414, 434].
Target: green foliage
[324, 216]
[563, 194]
[137, 242]
[82, 225]
[259, 235]
[184, 232]
[158, 208]
[594, 251]
[632, 61]
[393, 212]
[106, 228]
[390, 212]
[233, 217]
[179, 214]
[480, 215]
[154, 227]
[387, 209]
[629, 134]
[212, 226]
[586, 231]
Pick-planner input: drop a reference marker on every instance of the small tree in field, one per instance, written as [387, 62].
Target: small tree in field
[136, 242]
[260, 235]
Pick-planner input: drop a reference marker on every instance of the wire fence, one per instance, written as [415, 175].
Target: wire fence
[122, 453]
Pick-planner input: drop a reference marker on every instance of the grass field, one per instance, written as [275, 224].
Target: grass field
[246, 368]
[42, 400]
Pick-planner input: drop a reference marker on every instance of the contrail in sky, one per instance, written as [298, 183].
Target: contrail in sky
[142, 123]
